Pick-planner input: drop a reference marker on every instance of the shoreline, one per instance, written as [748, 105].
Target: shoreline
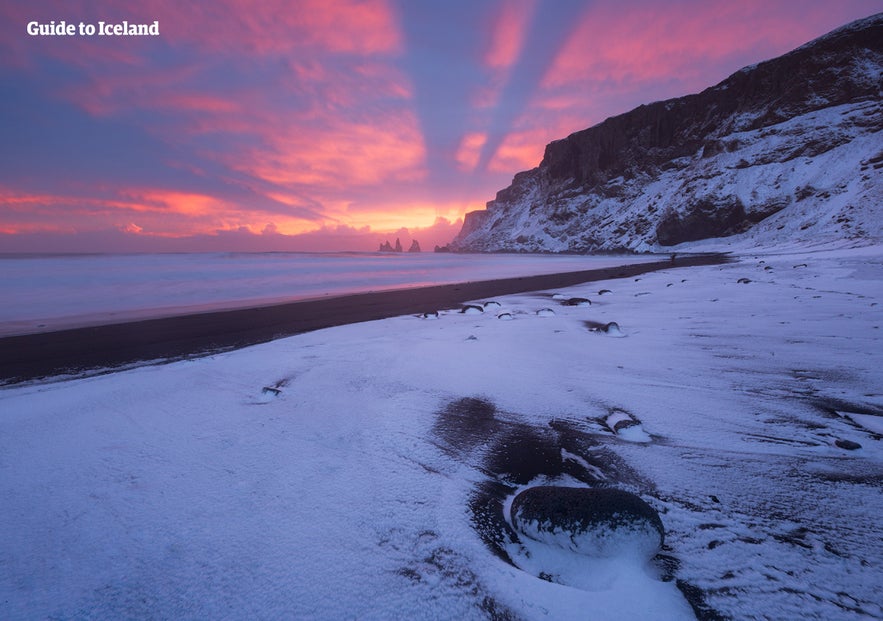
[76, 351]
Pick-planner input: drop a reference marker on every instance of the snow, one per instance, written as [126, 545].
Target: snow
[871, 422]
[187, 490]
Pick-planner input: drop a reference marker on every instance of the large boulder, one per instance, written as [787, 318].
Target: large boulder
[599, 522]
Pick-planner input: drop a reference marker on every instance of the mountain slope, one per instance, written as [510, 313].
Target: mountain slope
[789, 149]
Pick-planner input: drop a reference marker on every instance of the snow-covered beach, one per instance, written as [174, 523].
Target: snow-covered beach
[114, 340]
[335, 474]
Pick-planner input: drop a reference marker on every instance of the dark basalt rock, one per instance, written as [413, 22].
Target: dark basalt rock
[848, 445]
[577, 302]
[707, 217]
[592, 521]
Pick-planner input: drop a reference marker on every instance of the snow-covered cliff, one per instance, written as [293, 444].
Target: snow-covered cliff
[789, 150]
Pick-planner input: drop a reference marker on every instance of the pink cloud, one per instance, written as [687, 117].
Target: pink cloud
[470, 150]
[154, 211]
[508, 33]
[337, 152]
[521, 150]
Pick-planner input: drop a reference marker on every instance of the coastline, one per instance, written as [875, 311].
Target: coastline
[78, 350]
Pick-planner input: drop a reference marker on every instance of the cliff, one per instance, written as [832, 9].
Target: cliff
[789, 148]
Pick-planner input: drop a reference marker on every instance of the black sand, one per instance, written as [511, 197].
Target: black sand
[73, 351]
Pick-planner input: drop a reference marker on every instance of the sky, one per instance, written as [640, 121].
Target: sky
[326, 125]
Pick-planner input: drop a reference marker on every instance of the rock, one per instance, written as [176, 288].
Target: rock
[471, 309]
[848, 445]
[612, 329]
[385, 247]
[545, 312]
[505, 316]
[708, 216]
[492, 304]
[743, 281]
[604, 292]
[577, 302]
[415, 246]
[430, 315]
[398, 247]
[599, 522]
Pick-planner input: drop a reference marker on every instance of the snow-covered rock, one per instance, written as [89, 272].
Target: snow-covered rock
[600, 522]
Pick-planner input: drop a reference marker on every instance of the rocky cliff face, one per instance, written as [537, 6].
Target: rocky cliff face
[787, 149]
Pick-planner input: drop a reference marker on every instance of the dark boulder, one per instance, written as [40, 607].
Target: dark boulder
[577, 302]
[848, 445]
[600, 522]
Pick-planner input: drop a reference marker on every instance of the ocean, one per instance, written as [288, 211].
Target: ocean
[50, 292]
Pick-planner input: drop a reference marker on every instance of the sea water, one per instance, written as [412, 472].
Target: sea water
[50, 292]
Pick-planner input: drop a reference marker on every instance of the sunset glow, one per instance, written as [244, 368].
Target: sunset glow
[321, 125]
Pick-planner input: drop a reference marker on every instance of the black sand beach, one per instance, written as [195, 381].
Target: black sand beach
[74, 351]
